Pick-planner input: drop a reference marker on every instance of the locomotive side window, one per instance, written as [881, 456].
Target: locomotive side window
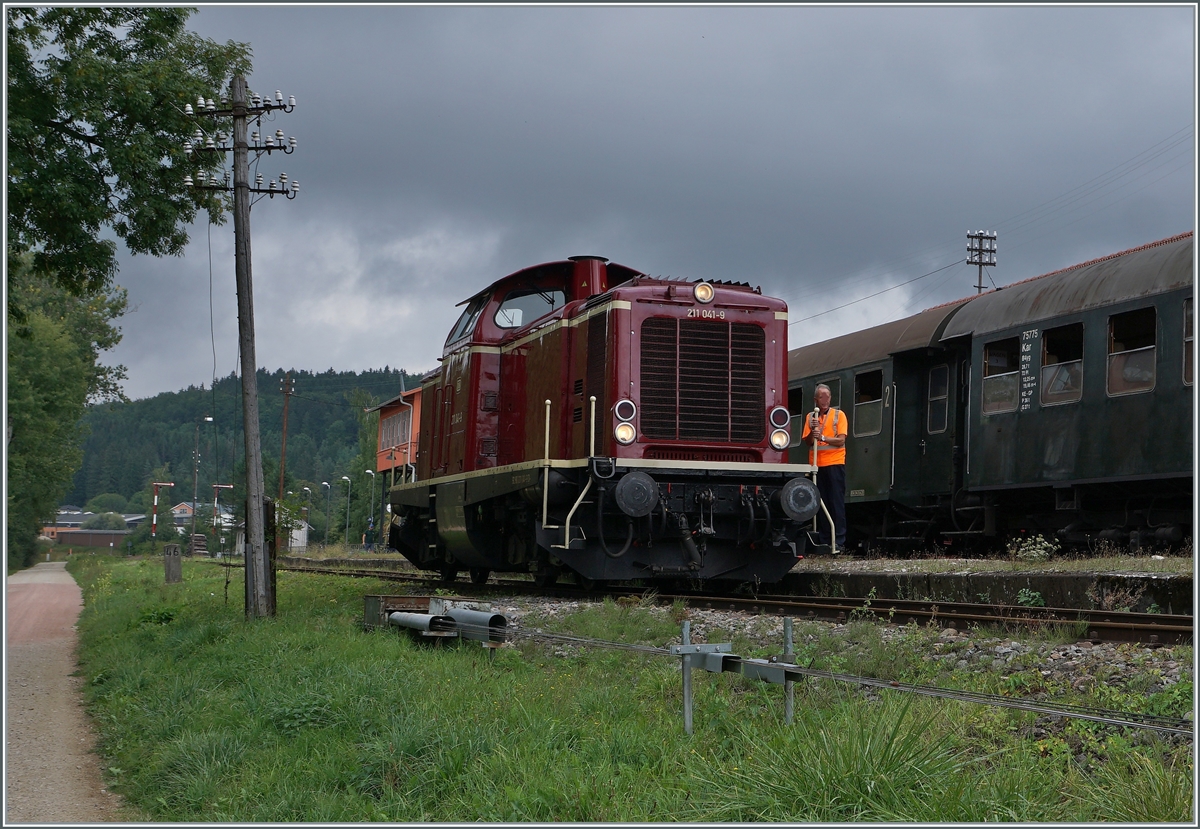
[868, 403]
[1000, 376]
[525, 305]
[939, 397]
[1188, 337]
[466, 322]
[1131, 351]
[1062, 364]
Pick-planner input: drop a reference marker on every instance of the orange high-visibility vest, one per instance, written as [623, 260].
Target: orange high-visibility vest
[830, 427]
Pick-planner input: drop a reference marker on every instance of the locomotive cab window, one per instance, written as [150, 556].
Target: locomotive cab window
[1188, 338]
[1131, 351]
[868, 403]
[466, 321]
[1000, 376]
[1062, 364]
[525, 305]
[939, 397]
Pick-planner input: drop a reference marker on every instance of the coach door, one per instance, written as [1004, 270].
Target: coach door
[938, 427]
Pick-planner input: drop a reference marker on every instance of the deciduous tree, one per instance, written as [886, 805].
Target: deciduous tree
[95, 135]
[54, 369]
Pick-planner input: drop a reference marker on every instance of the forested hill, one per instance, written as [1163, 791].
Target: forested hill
[131, 442]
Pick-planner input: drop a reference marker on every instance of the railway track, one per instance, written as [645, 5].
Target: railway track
[1151, 629]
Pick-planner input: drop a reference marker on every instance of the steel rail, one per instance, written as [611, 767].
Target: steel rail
[1152, 629]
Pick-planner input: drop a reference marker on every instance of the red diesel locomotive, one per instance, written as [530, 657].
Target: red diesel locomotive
[589, 418]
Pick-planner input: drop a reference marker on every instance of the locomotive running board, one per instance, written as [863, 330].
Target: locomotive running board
[483, 484]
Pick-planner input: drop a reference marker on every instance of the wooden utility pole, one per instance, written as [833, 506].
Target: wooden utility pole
[258, 603]
[260, 579]
[286, 388]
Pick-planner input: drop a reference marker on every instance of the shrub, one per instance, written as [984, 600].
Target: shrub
[1032, 548]
[108, 502]
[104, 521]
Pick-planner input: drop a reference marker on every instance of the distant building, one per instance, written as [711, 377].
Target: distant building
[297, 544]
[399, 430]
[183, 512]
[90, 538]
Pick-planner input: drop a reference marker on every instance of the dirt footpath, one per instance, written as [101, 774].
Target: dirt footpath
[51, 774]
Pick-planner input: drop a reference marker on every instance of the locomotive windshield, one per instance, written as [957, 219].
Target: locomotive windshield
[467, 321]
[524, 305]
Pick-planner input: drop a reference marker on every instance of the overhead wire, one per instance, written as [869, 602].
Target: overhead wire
[1096, 189]
[877, 293]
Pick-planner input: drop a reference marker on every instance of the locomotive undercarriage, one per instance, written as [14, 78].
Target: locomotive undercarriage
[605, 522]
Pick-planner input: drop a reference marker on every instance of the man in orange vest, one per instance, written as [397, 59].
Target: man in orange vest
[825, 431]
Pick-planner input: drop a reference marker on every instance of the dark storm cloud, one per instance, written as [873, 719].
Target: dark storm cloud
[823, 153]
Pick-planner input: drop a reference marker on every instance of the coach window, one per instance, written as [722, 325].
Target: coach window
[1062, 364]
[868, 403]
[835, 391]
[1000, 376]
[523, 306]
[797, 406]
[1188, 357]
[1131, 351]
[939, 397]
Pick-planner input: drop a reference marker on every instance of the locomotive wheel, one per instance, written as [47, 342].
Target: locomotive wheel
[545, 578]
[587, 584]
[480, 575]
[449, 573]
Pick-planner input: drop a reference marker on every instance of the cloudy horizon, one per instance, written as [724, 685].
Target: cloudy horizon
[836, 157]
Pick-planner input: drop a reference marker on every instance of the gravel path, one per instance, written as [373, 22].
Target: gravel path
[52, 774]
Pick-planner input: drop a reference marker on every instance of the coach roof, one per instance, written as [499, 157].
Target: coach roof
[1140, 272]
[918, 331]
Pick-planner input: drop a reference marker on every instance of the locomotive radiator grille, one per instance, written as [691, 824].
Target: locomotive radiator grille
[702, 380]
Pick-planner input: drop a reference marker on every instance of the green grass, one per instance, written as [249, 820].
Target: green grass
[306, 717]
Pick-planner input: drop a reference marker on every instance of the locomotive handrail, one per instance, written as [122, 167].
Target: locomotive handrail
[546, 473]
[566, 545]
[592, 443]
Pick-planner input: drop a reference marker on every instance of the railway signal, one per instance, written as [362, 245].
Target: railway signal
[154, 513]
[245, 106]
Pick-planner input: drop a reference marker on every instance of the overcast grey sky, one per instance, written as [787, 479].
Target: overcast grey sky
[825, 154]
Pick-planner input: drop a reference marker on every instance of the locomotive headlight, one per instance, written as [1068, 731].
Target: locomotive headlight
[704, 293]
[780, 417]
[780, 439]
[625, 410]
[624, 433]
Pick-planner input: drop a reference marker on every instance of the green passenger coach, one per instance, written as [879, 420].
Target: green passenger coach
[1062, 404]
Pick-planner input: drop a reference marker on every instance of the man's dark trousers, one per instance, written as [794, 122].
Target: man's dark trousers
[831, 481]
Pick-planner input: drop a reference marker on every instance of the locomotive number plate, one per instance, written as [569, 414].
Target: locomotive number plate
[706, 313]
